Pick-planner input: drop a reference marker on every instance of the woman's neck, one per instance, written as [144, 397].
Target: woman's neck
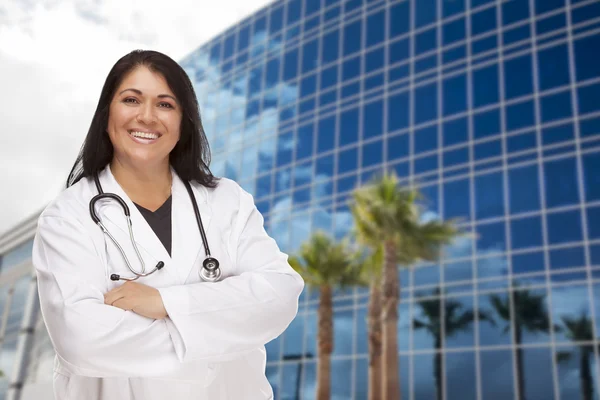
[148, 187]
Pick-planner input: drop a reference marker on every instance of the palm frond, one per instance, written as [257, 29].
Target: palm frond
[501, 306]
[322, 261]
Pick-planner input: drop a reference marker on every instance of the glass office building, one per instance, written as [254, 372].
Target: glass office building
[490, 107]
[493, 109]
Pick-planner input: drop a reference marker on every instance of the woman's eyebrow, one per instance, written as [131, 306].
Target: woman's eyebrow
[139, 92]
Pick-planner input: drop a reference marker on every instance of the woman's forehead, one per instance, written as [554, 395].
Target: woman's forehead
[146, 81]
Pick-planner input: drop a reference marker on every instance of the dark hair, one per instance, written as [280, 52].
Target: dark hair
[190, 158]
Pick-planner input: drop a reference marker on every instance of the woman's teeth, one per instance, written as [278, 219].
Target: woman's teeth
[144, 135]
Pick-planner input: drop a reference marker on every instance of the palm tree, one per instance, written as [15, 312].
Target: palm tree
[581, 330]
[387, 215]
[530, 315]
[370, 266]
[456, 319]
[325, 265]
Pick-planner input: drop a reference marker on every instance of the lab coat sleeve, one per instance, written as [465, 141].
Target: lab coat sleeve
[220, 320]
[92, 338]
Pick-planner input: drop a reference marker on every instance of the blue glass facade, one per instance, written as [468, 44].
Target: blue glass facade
[491, 107]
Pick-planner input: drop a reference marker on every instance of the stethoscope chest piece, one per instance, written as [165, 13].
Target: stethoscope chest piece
[210, 271]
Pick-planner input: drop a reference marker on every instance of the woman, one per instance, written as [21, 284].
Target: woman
[146, 331]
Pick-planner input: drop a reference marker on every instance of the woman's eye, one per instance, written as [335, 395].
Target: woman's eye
[132, 100]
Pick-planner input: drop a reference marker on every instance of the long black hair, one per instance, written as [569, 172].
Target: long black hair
[190, 158]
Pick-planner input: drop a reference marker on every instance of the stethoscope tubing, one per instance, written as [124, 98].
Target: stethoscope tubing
[210, 270]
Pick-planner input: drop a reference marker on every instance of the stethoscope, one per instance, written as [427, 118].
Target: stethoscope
[210, 270]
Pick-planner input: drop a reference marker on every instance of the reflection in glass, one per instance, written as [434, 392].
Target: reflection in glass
[348, 127]
[556, 106]
[496, 375]
[292, 338]
[573, 257]
[564, 227]
[537, 364]
[398, 108]
[455, 94]
[531, 324]
[273, 374]
[7, 358]
[458, 271]
[493, 331]
[309, 381]
[520, 115]
[577, 361]
[361, 378]
[17, 305]
[341, 379]
[17, 255]
[375, 59]
[518, 76]
[526, 232]
[488, 267]
[404, 324]
[460, 376]
[343, 330]
[485, 86]
[310, 329]
[591, 164]
[425, 103]
[427, 275]
[524, 189]
[352, 37]
[486, 123]
[456, 199]
[3, 297]
[291, 378]
[424, 381]
[362, 335]
[492, 238]
[457, 319]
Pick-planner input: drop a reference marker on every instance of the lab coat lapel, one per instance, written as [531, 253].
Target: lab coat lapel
[188, 249]
[144, 235]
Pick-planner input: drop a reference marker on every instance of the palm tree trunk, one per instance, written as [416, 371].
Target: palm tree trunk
[520, 372]
[374, 324]
[389, 317]
[438, 368]
[325, 343]
[585, 375]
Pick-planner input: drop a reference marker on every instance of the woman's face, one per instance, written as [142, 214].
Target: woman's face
[144, 119]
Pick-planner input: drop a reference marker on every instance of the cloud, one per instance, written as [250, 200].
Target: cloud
[54, 57]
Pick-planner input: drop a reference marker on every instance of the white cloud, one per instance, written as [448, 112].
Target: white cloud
[54, 57]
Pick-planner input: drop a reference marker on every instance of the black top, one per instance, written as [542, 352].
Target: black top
[160, 222]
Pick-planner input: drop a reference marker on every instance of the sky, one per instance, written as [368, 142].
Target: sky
[54, 57]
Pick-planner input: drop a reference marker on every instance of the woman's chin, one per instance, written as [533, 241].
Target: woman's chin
[144, 159]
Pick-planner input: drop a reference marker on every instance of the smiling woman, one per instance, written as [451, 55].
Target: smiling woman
[143, 126]
[202, 316]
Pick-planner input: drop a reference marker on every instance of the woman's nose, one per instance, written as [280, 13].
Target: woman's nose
[146, 114]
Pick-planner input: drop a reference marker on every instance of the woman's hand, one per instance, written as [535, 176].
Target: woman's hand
[139, 298]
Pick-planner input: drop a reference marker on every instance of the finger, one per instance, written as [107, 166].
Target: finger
[123, 304]
[115, 293]
[110, 298]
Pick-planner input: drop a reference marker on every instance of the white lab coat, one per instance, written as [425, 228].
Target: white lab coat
[211, 346]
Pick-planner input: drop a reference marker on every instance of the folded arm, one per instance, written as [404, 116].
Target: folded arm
[219, 320]
[90, 337]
